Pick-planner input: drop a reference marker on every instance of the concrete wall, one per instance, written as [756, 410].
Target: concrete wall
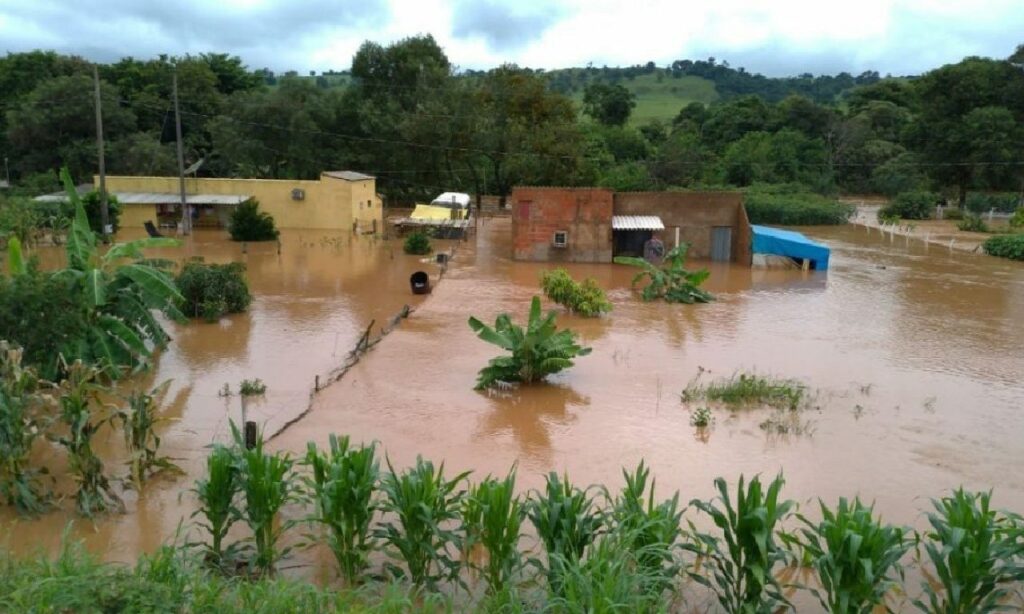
[585, 213]
[694, 214]
[330, 203]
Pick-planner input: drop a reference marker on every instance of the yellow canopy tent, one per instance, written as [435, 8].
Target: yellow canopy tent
[433, 212]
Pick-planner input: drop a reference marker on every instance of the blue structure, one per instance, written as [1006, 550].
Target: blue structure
[789, 243]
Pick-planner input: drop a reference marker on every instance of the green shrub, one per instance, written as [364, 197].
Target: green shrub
[910, 206]
[972, 223]
[982, 202]
[248, 223]
[953, 213]
[212, 290]
[18, 218]
[94, 211]
[1017, 221]
[1005, 246]
[252, 387]
[586, 299]
[747, 389]
[417, 243]
[537, 350]
[793, 206]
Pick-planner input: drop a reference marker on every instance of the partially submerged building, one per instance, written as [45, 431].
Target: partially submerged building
[596, 224]
[339, 200]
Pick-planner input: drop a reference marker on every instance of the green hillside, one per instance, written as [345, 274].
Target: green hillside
[659, 96]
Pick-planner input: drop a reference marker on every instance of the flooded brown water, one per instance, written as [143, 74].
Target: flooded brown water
[913, 352]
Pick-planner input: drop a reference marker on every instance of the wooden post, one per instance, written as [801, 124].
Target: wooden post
[186, 218]
[104, 208]
[677, 237]
[316, 383]
[250, 435]
[806, 264]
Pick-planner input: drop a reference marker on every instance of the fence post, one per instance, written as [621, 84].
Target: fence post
[316, 383]
[250, 435]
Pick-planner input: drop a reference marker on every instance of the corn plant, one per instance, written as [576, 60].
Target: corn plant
[744, 558]
[976, 554]
[609, 580]
[537, 350]
[424, 505]
[567, 522]
[343, 484]
[217, 495]
[652, 531]
[77, 397]
[138, 424]
[856, 557]
[267, 482]
[493, 516]
[21, 422]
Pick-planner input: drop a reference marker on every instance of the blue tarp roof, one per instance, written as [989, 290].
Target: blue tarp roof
[789, 243]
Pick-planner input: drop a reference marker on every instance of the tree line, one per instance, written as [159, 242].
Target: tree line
[409, 117]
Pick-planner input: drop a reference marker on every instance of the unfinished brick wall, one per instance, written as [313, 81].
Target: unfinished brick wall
[694, 214]
[584, 213]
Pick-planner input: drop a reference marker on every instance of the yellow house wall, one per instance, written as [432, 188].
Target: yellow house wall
[330, 203]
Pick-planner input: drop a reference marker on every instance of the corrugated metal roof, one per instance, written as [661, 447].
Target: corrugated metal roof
[448, 199]
[158, 198]
[637, 222]
[348, 175]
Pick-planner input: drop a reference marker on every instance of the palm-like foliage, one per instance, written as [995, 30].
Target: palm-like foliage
[671, 281]
[118, 296]
[857, 558]
[537, 351]
[976, 553]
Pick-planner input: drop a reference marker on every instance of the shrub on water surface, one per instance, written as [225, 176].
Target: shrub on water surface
[748, 389]
[586, 298]
[911, 206]
[855, 556]
[671, 281]
[743, 559]
[976, 553]
[343, 484]
[248, 223]
[138, 425]
[212, 290]
[953, 213]
[252, 387]
[417, 243]
[1017, 221]
[972, 223]
[537, 351]
[1005, 246]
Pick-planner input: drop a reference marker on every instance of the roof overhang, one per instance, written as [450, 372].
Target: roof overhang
[637, 222]
[160, 198]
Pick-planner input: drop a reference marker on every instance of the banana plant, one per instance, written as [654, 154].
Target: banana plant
[118, 297]
[537, 351]
[671, 282]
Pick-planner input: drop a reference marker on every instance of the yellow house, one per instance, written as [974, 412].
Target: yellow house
[339, 200]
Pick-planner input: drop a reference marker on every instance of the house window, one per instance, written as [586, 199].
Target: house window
[369, 204]
[561, 238]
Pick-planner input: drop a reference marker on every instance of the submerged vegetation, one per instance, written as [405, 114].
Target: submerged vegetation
[138, 425]
[793, 205]
[213, 290]
[585, 298]
[23, 419]
[538, 350]
[671, 281]
[1005, 246]
[747, 389]
[417, 243]
[248, 223]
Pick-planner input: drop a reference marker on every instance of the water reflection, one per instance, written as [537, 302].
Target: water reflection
[529, 414]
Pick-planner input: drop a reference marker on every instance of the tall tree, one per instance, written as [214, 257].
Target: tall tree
[610, 105]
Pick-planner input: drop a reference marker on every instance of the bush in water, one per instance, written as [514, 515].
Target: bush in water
[910, 206]
[418, 243]
[983, 202]
[1005, 246]
[213, 290]
[587, 298]
[248, 223]
[537, 350]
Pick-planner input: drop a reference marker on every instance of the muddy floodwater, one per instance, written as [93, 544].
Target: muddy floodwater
[912, 353]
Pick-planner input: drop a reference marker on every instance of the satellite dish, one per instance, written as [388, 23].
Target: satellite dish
[195, 167]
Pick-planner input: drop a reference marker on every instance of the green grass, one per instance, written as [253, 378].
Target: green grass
[747, 390]
[662, 100]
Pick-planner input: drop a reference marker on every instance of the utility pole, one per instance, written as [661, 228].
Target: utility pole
[186, 218]
[104, 211]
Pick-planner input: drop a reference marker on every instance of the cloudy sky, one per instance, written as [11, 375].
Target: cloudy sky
[776, 37]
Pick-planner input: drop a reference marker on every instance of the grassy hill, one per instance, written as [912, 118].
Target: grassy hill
[660, 96]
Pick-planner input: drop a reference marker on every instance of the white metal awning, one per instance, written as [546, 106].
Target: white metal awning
[637, 222]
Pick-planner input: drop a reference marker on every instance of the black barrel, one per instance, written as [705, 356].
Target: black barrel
[420, 283]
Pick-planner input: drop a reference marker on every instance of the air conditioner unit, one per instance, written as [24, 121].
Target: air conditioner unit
[298, 194]
[560, 238]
